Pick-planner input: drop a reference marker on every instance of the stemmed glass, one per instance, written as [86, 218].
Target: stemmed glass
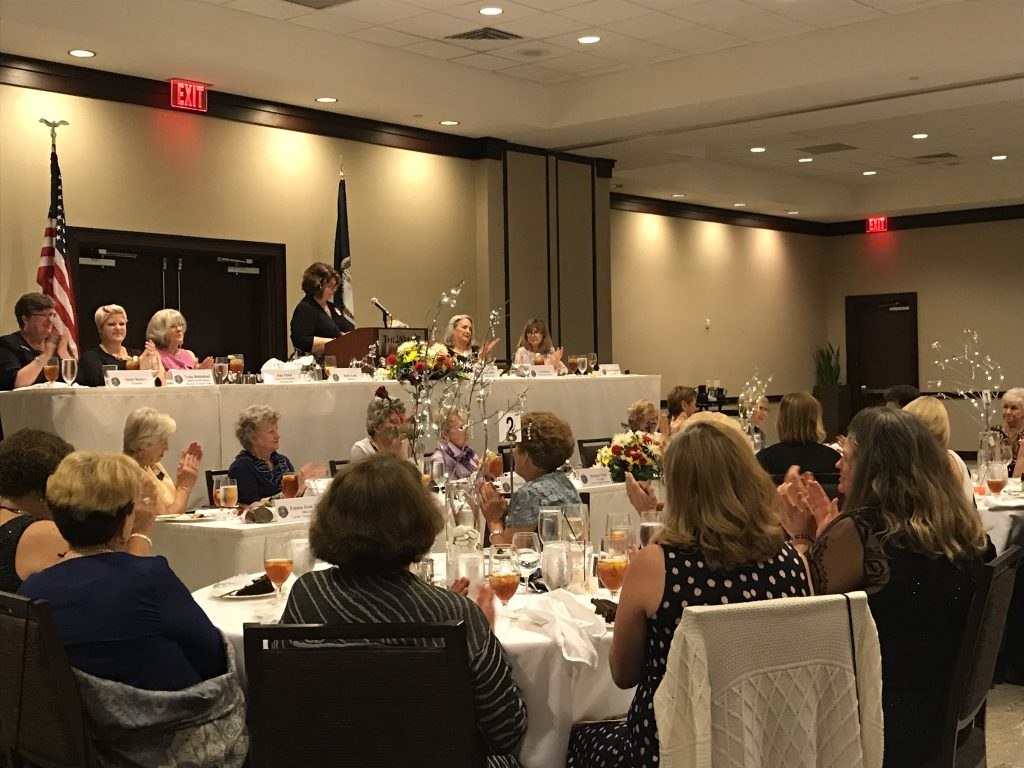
[330, 363]
[68, 370]
[619, 526]
[612, 563]
[50, 369]
[996, 476]
[220, 370]
[526, 545]
[650, 526]
[236, 366]
[277, 561]
[572, 363]
[439, 474]
[592, 360]
[576, 523]
[581, 362]
[549, 525]
[504, 575]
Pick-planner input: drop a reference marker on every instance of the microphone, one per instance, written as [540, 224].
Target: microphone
[376, 302]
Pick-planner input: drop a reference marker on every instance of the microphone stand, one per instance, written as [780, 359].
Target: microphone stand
[387, 318]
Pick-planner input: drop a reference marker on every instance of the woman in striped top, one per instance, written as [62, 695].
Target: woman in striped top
[377, 519]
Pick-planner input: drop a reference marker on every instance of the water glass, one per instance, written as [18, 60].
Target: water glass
[592, 360]
[68, 370]
[550, 525]
[330, 363]
[220, 370]
[527, 548]
[470, 565]
[554, 565]
[424, 569]
[581, 363]
[439, 474]
[576, 522]
[303, 558]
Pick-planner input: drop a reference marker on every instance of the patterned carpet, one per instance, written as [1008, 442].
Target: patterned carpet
[1005, 727]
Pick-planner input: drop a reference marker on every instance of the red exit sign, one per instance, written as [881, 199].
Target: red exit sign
[878, 224]
[189, 95]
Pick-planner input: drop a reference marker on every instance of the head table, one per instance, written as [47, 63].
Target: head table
[557, 692]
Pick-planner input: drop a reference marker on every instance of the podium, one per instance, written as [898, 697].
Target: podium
[357, 343]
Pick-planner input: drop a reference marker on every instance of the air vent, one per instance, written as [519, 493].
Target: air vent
[938, 157]
[320, 4]
[484, 33]
[824, 149]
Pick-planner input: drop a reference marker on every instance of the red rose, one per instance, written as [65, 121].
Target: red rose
[382, 392]
[642, 461]
[647, 439]
[616, 450]
[391, 360]
[419, 366]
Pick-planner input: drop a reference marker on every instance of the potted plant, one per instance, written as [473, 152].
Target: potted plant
[833, 396]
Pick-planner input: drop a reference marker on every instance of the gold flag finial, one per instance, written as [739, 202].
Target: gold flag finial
[54, 125]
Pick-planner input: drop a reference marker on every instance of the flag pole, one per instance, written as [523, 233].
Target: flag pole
[54, 125]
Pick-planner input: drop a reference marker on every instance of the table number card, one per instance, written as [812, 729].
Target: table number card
[544, 371]
[610, 369]
[130, 379]
[300, 508]
[595, 476]
[347, 374]
[510, 427]
[282, 375]
[191, 378]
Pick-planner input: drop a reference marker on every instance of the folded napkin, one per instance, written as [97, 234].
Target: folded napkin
[570, 623]
[298, 363]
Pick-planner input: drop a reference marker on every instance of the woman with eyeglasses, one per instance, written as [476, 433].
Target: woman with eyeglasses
[24, 353]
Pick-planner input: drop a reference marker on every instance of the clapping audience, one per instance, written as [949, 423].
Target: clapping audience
[535, 347]
[258, 467]
[387, 429]
[146, 435]
[166, 329]
[455, 453]
[682, 404]
[112, 324]
[24, 353]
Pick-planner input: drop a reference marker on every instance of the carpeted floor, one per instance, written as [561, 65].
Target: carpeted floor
[1004, 723]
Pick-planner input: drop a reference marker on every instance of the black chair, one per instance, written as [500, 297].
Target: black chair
[589, 448]
[963, 742]
[507, 462]
[336, 464]
[360, 695]
[210, 475]
[41, 716]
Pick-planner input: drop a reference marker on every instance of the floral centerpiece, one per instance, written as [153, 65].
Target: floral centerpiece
[417, 361]
[633, 451]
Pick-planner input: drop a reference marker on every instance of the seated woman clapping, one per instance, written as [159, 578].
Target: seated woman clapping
[131, 628]
[722, 543]
[146, 435]
[166, 329]
[455, 453]
[535, 347]
[387, 429]
[375, 520]
[112, 324]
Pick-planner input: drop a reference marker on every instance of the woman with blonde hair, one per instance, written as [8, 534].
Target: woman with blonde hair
[112, 324]
[1012, 430]
[166, 329]
[147, 432]
[932, 413]
[722, 543]
[800, 436]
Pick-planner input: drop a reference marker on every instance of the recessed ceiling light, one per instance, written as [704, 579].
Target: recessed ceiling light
[449, 122]
[588, 39]
[869, 173]
[998, 157]
[919, 136]
[806, 160]
[491, 11]
[792, 213]
[757, 149]
[678, 194]
[326, 99]
[81, 53]
[739, 205]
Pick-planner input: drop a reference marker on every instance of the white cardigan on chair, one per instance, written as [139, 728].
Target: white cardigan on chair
[773, 684]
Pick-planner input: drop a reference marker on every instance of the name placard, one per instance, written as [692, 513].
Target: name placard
[595, 476]
[346, 374]
[130, 379]
[610, 369]
[194, 378]
[282, 375]
[544, 371]
[292, 510]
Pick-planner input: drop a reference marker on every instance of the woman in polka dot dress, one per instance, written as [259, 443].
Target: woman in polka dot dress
[722, 543]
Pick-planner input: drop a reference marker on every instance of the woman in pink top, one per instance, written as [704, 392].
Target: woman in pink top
[166, 329]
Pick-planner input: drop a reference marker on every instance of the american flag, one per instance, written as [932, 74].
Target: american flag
[54, 275]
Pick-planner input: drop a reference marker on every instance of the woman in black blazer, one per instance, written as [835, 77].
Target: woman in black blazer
[316, 321]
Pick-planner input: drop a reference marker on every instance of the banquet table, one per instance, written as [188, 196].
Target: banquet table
[557, 692]
[1004, 525]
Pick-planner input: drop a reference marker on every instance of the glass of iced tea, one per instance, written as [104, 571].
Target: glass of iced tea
[289, 485]
[996, 476]
[131, 364]
[504, 575]
[572, 363]
[277, 561]
[236, 364]
[612, 563]
[50, 369]
[495, 465]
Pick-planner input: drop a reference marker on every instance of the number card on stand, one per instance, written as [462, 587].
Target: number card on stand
[130, 379]
[510, 427]
[192, 378]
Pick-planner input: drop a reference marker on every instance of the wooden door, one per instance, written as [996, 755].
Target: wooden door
[881, 345]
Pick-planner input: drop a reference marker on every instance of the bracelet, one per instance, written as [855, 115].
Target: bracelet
[142, 536]
[805, 536]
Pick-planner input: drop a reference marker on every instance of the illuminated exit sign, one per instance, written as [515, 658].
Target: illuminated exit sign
[186, 94]
[878, 224]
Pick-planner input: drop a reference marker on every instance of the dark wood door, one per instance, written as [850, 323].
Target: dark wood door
[881, 345]
[230, 292]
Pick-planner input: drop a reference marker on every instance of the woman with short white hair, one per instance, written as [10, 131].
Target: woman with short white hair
[166, 329]
[1012, 430]
[259, 468]
[146, 435]
[112, 324]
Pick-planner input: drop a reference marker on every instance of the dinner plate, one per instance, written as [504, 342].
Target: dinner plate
[186, 518]
[232, 596]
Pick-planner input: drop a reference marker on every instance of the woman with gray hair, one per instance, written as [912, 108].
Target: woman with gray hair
[1012, 431]
[386, 427]
[112, 324]
[166, 329]
[258, 468]
[459, 339]
[146, 435]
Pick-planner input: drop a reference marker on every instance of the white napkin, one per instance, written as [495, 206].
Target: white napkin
[570, 623]
[274, 364]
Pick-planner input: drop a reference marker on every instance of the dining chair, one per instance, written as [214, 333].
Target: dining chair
[210, 475]
[360, 695]
[336, 464]
[42, 720]
[963, 740]
[507, 462]
[589, 448]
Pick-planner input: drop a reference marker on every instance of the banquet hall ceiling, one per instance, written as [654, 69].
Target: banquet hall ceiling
[676, 91]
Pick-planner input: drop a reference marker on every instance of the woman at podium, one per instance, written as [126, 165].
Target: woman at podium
[316, 321]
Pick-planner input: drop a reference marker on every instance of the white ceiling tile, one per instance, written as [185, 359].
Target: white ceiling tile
[711, 11]
[577, 63]
[274, 9]
[436, 5]
[385, 36]
[552, 5]
[437, 50]
[377, 11]
[486, 61]
[698, 40]
[214, 2]
[819, 14]
[664, 5]
[761, 26]
[511, 12]
[330, 22]
[604, 11]
[546, 49]
[621, 48]
[650, 25]
[530, 72]
[543, 25]
[433, 26]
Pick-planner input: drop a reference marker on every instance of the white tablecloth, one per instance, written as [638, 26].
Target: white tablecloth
[1003, 526]
[203, 553]
[557, 692]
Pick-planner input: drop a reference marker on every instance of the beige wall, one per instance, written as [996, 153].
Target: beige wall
[412, 215]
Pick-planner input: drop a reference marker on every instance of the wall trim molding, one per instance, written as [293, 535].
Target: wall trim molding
[91, 83]
[677, 210]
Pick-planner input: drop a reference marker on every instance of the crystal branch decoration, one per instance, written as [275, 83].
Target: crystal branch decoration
[971, 373]
[754, 391]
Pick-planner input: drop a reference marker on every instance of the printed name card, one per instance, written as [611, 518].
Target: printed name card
[195, 378]
[610, 369]
[282, 375]
[595, 476]
[293, 510]
[347, 374]
[544, 371]
[130, 379]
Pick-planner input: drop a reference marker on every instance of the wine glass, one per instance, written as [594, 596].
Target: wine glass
[581, 362]
[68, 370]
[650, 526]
[50, 369]
[228, 493]
[549, 525]
[330, 363]
[619, 525]
[289, 485]
[504, 575]
[612, 563]
[220, 370]
[592, 360]
[526, 545]
[576, 523]
[996, 476]
[277, 561]
[439, 474]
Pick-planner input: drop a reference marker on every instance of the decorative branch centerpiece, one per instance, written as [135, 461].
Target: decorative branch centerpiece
[970, 372]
